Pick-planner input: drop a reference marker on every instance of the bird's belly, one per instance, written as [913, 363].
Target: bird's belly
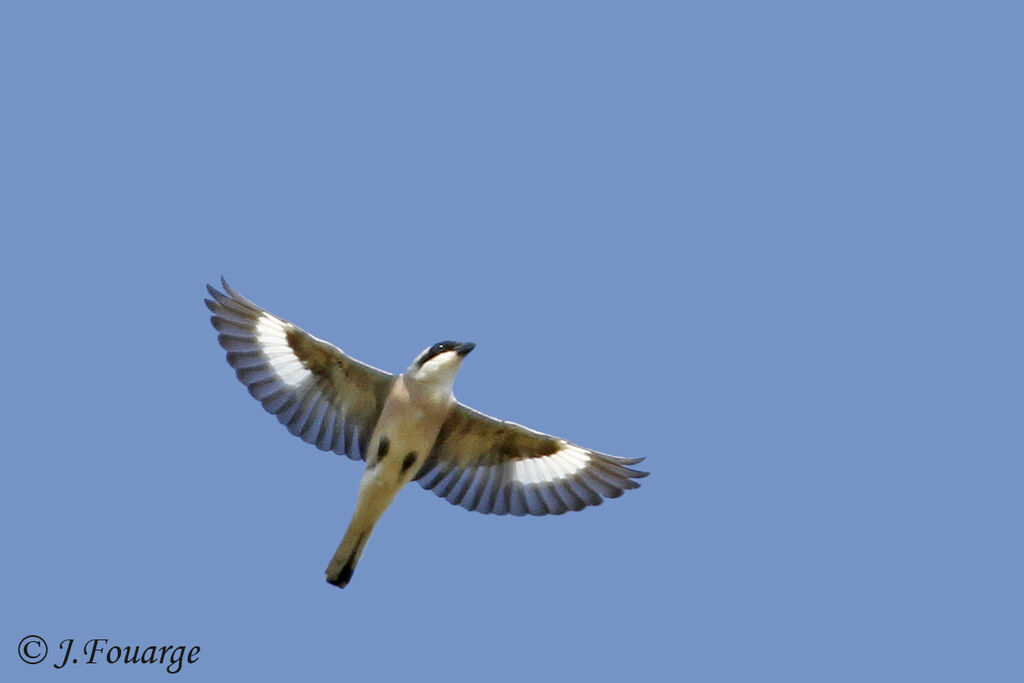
[397, 455]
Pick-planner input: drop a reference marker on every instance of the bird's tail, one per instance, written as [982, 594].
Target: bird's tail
[374, 498]
[339, 571]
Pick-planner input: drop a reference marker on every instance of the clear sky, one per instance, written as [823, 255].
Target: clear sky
[774, 248]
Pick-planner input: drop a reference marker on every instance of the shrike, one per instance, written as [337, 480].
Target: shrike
[406, 427]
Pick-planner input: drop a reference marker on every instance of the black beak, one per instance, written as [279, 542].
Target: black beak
[464, 348]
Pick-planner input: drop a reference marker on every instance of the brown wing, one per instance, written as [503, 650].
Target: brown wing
[498, 467]
[322, 395]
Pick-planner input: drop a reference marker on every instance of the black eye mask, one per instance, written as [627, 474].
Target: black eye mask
[436, 350]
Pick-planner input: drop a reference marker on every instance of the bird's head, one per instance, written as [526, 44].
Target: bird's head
[439, 364]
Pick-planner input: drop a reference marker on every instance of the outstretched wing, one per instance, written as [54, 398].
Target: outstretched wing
[322, 395]
[498, 467]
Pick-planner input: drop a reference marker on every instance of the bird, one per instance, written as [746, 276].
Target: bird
[405, 427]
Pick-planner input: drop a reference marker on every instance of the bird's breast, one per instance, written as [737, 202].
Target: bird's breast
[403, 437]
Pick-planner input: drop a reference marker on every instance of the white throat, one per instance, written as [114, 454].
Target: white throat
[436, 376]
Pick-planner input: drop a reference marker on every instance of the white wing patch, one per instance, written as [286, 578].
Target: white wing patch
[270, 334]
[563, 463]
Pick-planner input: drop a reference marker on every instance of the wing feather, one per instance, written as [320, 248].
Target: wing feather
[498, 467]
[315, 390]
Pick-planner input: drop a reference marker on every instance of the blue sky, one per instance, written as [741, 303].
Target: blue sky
[772, 247]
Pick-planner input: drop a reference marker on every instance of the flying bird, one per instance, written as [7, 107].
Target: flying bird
[405, 427]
